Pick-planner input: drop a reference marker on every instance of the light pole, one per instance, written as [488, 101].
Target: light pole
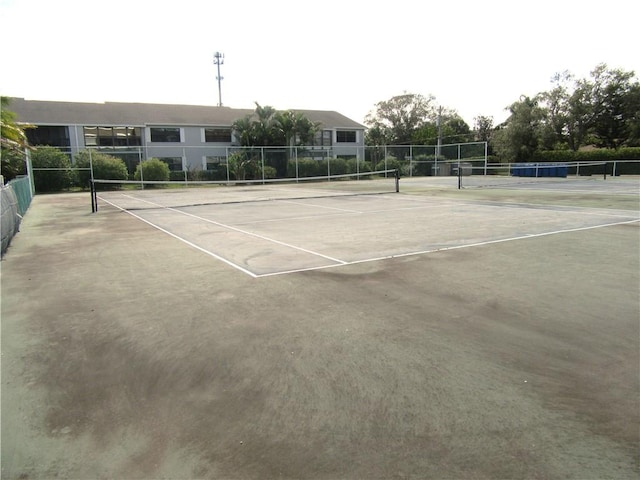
[218, 59]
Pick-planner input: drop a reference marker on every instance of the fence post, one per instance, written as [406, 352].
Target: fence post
[141, 175]
[91, 166]
[485, 157]
[92, 187]
[227, 163]
[411, 160]
[32, 184]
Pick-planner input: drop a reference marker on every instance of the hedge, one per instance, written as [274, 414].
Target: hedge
[597, 155]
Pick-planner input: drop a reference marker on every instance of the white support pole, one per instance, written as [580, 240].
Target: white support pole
[485, 158]
[141, 169]
[91, 166]
[32, 185]
[227, 156]
[411, 160]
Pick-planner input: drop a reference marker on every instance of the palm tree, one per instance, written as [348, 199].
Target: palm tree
[13, 141]
[264, 126]
[272, 128]
[12, 135]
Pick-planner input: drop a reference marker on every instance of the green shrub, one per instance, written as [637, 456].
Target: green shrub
[174, 175]
[153, 170]
[307, 167]
[51, 180]
[105, 167]
[354, 166]
[337, 166]
[270, 172]
[596, 155]
[13, 163]
[218, 172]
[388, 162]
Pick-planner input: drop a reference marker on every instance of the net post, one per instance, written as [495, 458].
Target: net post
[94, 199]
[459, 176]
[397, 175]
[604, 168]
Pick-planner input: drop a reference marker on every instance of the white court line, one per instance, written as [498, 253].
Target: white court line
[602, 211]
[444, 249]
[344, 213]
[346, 210]
[177, 237]
[341, 262]
[261, 237]
[245, 232]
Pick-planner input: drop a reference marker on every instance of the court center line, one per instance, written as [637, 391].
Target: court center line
[245, 232]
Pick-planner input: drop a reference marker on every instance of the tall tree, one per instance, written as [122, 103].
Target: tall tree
[518, 138]
[556, 103]
[603, 109]
[293, 128]
[483, 128]
[13, 141]
[579, 115]
[263, 128]
[268, 127]
[615, 108]
[452, 129]
[11, 134]
[395, 121]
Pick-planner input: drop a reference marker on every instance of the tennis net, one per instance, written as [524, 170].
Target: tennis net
[512, 174]
[143, 195]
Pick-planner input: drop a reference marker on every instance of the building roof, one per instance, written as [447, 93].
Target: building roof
[40, 112]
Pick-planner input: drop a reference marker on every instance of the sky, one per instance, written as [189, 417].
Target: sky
[475, 57]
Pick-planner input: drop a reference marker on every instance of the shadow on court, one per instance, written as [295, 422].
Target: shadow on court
[504, 344]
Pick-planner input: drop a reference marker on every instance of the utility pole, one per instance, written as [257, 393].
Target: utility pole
[218, 59]
[439, 125]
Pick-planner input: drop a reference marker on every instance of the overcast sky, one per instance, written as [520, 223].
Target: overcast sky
[476, 57]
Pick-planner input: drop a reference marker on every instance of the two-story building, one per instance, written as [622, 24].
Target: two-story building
[186, 137]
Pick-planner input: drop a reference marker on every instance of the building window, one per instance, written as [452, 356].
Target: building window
[215, 162]
[217, 135]
[165, 134]
[346, 136]
[112, 137]
[54, 136]
[322, 138]
[174, 163]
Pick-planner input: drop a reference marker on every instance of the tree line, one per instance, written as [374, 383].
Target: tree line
[601, 111]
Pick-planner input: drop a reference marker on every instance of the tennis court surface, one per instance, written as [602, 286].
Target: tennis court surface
[484, 332]
[269, 230]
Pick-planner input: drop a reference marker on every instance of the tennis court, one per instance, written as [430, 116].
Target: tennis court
[277, 230]
[483, 332]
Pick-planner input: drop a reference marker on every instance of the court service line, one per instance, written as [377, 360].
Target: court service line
[346, 210]
[245, 232]
[329, 215]
[183, 240]
[444, 249]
